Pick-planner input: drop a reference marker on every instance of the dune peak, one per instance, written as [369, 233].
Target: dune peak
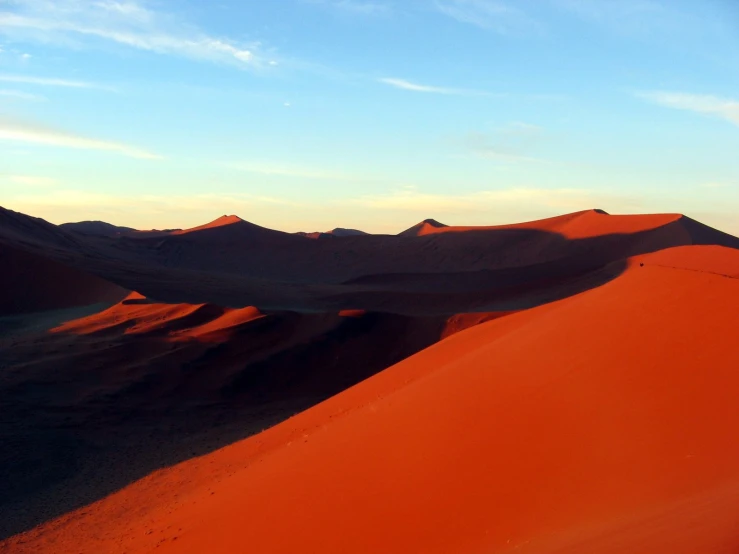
[226, 220]
[423, 228]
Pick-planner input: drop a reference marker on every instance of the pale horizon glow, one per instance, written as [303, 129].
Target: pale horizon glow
[368, 114]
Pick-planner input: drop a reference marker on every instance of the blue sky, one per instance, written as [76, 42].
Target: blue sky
[312, 114]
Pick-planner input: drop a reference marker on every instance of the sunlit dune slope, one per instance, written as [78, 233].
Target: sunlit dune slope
[30, 283]
[138, 315]
[603, 423]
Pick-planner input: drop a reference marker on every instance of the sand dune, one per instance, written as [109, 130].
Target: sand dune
[30, 283]
[425, 227]
[337, 232]
[601, 423]
[562, 385]
[234, 263]
[142, 385]
[103, 229]
[97, 228]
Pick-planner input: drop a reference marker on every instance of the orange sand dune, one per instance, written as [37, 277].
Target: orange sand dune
[430, 226]
[710, 259]
[587, 223]
[30, 283]
[220, 222]
[104, 400]
[602, 423]
[138, 315]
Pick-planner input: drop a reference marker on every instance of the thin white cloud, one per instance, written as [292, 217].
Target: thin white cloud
[47, 81]
[20, 95]
[18, 131]
[715, 185]
[381, 212]
[142, 211]
[127, 23]
[498, 16]
[705, 104]
[29, 180]
[281, 170]
[416, 87]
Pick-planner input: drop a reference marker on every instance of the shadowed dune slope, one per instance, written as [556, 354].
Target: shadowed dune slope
[103, 229]
[603, 423]
[33, 231]
[97, 228]
[104, 400]
[30, 283]
[588, 237]
[234, 263]
[425, 227]
[337, 232]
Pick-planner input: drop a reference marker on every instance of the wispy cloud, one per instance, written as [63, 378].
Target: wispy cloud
[705, 104]
[20, 131]
[282, 170]
[48, 81]
[127, 23]
[716, 185]
[501, 17]
[143, 211]
[20, 95]
[387, 212]
[28, 180]
[416, 87]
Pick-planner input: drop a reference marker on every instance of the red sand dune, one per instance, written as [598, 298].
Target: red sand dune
[428, 227]
[588, 223]
[220, 222]
[138, 315]
[30, 283]
[602, 423]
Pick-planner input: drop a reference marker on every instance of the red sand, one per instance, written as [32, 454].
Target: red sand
[220, 222]
[587, 223]
[602, 423]
[138, 315]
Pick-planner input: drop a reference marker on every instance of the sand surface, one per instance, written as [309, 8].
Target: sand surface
[565, 385]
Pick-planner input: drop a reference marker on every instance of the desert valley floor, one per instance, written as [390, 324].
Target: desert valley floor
[568, 385]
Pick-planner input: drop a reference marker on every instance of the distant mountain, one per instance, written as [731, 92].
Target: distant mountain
[222, 221]
[233, 262]
[338, 232]
[103, 229]
[424, 227]
[97, 228]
